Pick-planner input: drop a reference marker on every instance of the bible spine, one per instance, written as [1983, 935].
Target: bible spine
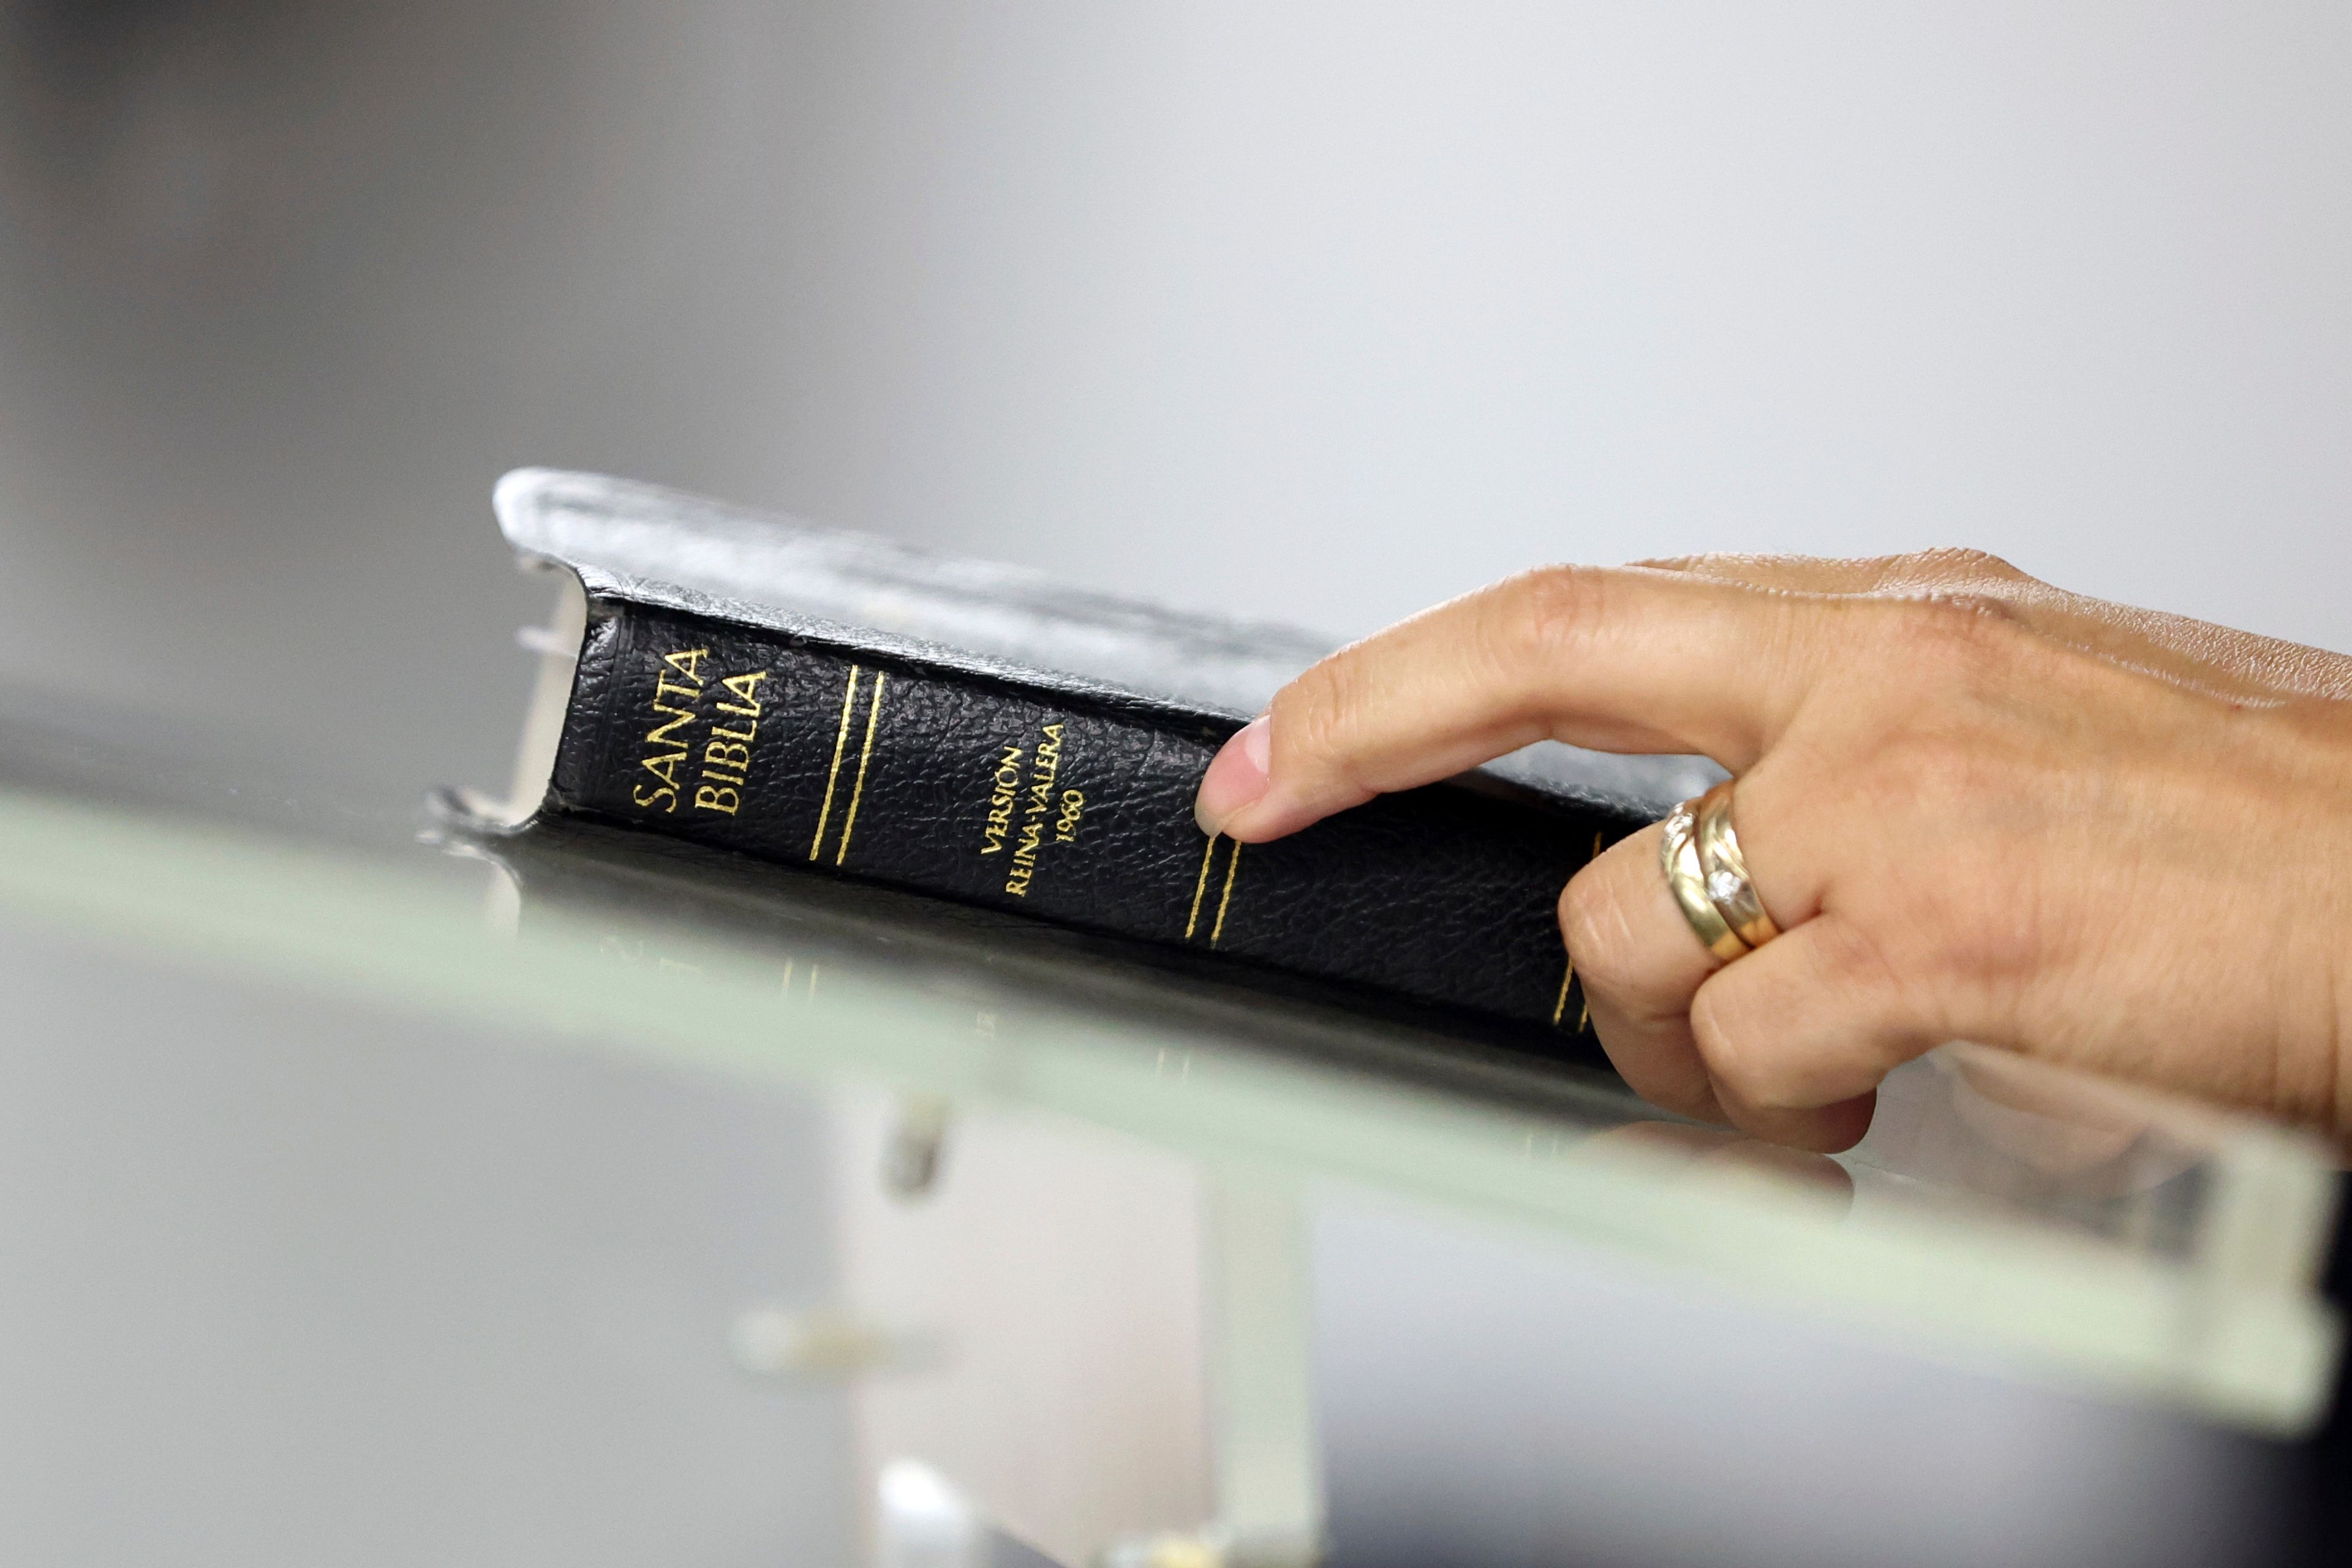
[1072, 804]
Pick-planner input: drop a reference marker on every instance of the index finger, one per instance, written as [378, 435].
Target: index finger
[1613, 658]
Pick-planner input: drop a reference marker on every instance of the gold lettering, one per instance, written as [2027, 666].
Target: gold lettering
[678, 684]
[1024, 861]
[1025, 800]
[1041, 771]
[747, 688]
[1006, 779]
[660, 735]
[663, 764]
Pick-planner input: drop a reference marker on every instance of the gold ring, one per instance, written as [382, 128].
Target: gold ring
[1678, 853]
[1729, 885]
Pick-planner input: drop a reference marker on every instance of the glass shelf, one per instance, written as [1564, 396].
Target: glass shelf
[2056, 1228]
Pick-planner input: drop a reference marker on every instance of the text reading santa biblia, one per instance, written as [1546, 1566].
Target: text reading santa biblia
[712, 778]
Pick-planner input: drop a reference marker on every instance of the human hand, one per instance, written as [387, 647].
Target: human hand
[1976, 807]
[2219, 659]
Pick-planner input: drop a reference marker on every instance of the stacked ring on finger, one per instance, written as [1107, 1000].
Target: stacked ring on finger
[1708, 871]
[1728, 886]
[1678, 853]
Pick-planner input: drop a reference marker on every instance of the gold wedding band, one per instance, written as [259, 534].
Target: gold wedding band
[1728, 887]
[1678, 853]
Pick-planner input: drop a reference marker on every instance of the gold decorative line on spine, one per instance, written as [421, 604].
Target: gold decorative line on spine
[1208, 853]
[1232, 864]
[840, 738]
[849, 823]
[1560, 1006]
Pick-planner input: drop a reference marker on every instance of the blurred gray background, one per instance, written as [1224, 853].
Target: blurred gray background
[1315, 313]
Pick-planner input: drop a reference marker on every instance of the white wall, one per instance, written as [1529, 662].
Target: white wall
[1324, 311]
[1315, 313]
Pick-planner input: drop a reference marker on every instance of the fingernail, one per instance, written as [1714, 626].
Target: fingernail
[1236, 778]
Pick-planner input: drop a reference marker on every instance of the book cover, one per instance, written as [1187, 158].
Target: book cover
[733, 722]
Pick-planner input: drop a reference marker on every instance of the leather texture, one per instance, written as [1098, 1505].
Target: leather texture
[824, 750]
[647, 538]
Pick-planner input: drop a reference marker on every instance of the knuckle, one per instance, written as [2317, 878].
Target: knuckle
[1986, 606]
[1312, 714]
[1950, 625]
[1719, 1022]
[1862, 1011]
[1859, 975]
[1599, 939]
[1551, 609]
[1929, 650]
[1705, 563]
[1739, 1048]
[1961, 563]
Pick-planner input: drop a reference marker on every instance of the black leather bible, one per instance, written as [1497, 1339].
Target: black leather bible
[743, 724]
